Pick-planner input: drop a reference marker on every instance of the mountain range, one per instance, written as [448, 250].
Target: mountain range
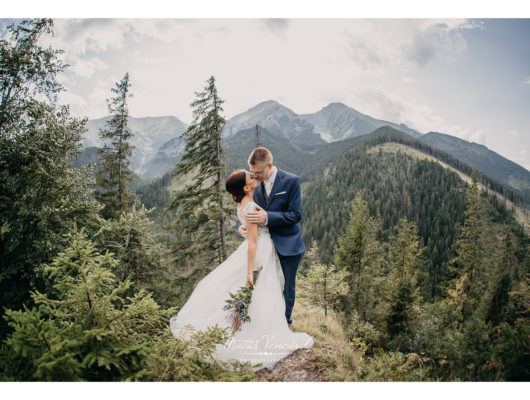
[158, 145]
[149, 135]
[276, 118]
[338, 122]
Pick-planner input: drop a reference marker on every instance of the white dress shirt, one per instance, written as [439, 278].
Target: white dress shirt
[270, 182]
[268, 187]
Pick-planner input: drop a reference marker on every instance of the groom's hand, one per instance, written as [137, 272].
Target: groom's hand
[257, 217]
[243, 231]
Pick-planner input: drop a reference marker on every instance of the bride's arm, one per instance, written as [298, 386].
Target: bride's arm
[252, 230]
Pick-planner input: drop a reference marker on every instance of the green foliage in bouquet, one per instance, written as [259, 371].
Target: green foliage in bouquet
[238, 304]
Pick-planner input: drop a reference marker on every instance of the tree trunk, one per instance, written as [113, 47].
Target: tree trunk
[325, 294]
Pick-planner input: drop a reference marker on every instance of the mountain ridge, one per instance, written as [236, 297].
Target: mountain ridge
[158, 146]
[337, 121]
[482, 159]
[149, 134]
[276, 118]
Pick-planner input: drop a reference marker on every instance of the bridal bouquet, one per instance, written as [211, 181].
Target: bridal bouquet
[238, 304]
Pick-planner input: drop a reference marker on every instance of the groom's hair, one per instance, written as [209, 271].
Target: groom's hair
[260, 155]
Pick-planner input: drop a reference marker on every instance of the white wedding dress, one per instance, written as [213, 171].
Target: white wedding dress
[266, 339]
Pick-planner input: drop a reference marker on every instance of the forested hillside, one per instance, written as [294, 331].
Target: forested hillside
[483, 159]
[394, 186]
[311, 162]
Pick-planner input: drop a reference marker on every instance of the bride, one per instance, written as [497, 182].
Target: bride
[266, 339]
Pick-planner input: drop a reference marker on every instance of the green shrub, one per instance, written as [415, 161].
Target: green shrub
[88, 330]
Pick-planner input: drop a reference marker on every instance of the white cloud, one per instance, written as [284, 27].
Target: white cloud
[278, 26]
[85, 42]
[370, 64]
[4, 33]
[93, 103]
[90, 35]
[73, 99]
[85, 68]
[188, 32]
[377, 66]
[522, 158]
[382, 104]
[405, 44]
[478, 136]
[437, 42]
[366, 56]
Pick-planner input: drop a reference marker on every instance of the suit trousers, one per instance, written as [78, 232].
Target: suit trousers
[289, 268]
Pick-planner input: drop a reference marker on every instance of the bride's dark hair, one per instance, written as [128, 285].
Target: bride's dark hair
[235, 183]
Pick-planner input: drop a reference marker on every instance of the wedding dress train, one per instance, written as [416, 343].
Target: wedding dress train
[266, 339]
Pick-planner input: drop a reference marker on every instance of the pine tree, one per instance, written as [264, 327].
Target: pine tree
[359, 253]
[502, 279]
[323, 284]
[404, 250]
[199, 204]
[352, 246]
[467, 266]
[507, 260]
[311, 257]
[131, 239]
[114, 174]
[40, 192]
[401, 307]
[513, 343]
[26, 70]
[401, 291]
[86, 329]
[499, 299]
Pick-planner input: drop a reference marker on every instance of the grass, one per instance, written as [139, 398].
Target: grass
[338, 358]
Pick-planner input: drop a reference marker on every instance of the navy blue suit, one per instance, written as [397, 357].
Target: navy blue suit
[284, 212]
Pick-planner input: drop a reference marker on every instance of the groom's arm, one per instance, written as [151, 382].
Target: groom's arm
[293, 215]
[238, 224]
[243, 233]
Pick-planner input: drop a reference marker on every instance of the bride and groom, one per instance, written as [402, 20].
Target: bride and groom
[269, 210]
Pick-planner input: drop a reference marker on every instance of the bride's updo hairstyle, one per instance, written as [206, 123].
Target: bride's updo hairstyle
[235, 183]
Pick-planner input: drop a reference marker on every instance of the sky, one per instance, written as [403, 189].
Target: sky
[466, 77]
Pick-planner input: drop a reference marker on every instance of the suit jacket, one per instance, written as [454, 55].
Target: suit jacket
[284, 212]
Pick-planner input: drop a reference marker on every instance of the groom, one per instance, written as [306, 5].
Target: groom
[280, 208]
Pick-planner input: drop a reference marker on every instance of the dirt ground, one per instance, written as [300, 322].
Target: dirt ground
[300, 366]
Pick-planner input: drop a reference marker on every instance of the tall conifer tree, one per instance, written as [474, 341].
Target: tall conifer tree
[40, 192]
[114, 175]
[359, 253]
[404, 253]
[199, 204]
[467, 267]
[401, 290]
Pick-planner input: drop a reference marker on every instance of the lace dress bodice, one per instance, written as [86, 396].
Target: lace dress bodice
[250, 206]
